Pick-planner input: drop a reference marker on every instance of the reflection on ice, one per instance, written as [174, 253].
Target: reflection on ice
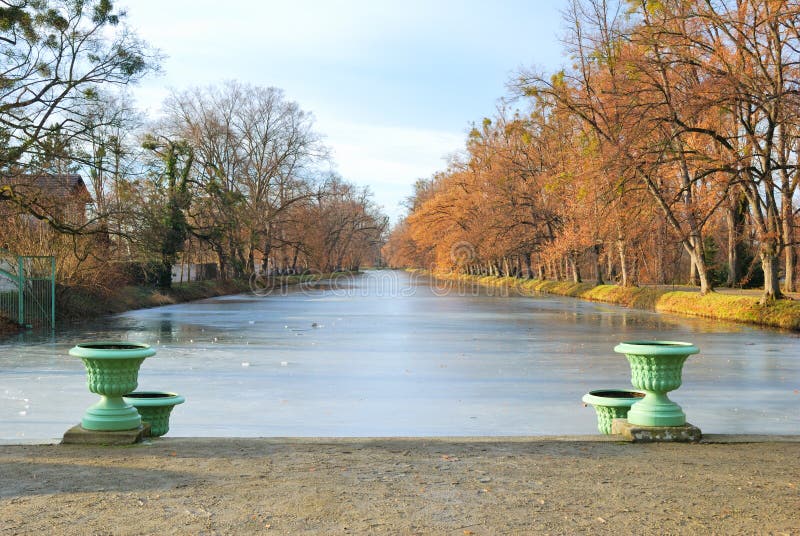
[386, 354]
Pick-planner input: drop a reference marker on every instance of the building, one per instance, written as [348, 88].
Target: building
[63, 197]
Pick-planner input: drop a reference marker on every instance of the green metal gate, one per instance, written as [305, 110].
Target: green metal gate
[28, 289]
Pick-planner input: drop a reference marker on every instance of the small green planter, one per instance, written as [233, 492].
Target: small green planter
[155, 408]
[656, 368]
[112, 369]
[611, 404]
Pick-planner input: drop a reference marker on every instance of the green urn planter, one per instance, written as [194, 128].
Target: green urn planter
[155, 408]
[611, 404]
[112, 369]
[656, 369]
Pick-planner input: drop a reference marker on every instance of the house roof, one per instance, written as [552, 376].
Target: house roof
[67, 185]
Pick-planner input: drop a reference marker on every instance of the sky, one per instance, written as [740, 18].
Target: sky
[394, 85]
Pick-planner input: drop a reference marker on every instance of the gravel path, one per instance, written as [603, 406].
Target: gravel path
[480, 486]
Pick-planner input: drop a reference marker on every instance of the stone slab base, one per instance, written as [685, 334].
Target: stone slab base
[651, 434]
[78, 435]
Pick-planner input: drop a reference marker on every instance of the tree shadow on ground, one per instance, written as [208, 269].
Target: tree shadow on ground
[22, 478]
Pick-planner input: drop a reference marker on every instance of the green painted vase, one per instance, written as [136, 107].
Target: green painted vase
[610, 404]
[656, 368]
[112, 369]
[155, 408]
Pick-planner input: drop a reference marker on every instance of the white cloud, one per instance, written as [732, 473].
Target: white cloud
[388, 159]
[391, 154]
[393, 85]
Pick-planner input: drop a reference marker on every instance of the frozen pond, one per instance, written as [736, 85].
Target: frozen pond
[386, 354]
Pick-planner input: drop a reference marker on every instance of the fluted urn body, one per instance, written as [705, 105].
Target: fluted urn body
[155, 408]
[610, 404]
[656, 368]
[112, 369]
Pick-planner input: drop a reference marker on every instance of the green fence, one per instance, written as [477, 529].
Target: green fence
[28, 289]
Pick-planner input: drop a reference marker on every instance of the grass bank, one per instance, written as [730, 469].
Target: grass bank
[781, 314]
[78, 304]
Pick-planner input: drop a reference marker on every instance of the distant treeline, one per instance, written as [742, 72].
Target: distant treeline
[666, 152]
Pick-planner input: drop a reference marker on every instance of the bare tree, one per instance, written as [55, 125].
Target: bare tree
[54, 55]
[256, 153]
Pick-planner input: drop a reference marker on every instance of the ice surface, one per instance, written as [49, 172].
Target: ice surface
[400, 357]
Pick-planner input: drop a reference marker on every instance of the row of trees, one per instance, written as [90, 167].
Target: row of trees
[667, 152]
[233, 174]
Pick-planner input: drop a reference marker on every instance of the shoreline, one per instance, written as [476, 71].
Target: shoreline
[79, 305]
[463, 486]
[708, 439]
[782, 314]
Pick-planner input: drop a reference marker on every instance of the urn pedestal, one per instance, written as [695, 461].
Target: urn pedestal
[656, 368]
[112, 369]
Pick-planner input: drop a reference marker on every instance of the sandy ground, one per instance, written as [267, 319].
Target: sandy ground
[485, 486]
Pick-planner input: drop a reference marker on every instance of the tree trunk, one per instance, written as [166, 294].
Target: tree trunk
[576, 272]
[598, 269]
[692, 271]
[223, 264]
[556, 273]
[790, 252]
[699, 268]
[702, 273]
[528, 266]
[769, 263]
[165, 274]
[737, 211]
[267, 253]
[789, 283]
[623, 265]
[251, 260]
[661, 252]
[241, 262]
